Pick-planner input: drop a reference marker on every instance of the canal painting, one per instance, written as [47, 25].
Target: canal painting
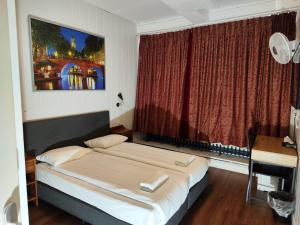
[66, 59]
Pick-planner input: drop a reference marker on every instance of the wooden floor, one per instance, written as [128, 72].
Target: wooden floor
[223, 203]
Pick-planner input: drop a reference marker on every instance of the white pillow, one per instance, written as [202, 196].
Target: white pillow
[58, 156]
[106, 141]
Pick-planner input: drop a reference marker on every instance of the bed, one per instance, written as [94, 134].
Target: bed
[112, 184]
[196, 171]
[43, 135]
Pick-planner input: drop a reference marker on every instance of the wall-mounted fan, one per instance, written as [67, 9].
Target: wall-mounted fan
[284, 50]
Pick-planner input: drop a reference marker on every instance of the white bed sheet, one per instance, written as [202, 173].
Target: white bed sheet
[169, 197]
[159, 157]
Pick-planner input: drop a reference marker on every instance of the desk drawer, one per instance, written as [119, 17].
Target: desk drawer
[30, 166]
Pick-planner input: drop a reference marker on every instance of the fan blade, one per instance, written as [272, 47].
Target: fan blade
[280, 48]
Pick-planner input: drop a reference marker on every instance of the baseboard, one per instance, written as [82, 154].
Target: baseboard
[229, 165]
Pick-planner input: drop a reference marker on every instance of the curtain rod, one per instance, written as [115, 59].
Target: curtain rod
[233, 19]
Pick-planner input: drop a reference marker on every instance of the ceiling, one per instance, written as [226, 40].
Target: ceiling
[137, 11]
[172, 13]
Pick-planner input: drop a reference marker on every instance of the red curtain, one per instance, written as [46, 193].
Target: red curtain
[226, 81]
[235, 82]
[161, 75]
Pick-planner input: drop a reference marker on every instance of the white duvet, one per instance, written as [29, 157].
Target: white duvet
[159, 157]
[123, 177]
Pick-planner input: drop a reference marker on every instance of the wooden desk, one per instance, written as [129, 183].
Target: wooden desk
[269, 150]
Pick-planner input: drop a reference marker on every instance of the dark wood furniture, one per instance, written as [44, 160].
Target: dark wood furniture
[32, 195]
[120, 129]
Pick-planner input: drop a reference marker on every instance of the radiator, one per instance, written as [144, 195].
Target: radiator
[200, 145]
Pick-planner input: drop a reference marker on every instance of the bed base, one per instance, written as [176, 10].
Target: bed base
[197, 190]
[89, 213]
[95, 216]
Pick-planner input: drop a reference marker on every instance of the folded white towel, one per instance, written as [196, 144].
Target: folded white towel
[184, 162]
[153, 182]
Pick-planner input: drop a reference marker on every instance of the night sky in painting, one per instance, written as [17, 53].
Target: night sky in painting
[68, 33]
[79, 36]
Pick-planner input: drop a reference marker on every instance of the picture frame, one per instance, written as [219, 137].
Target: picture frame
[65, 58]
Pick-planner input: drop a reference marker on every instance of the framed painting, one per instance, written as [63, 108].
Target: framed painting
[64, 58]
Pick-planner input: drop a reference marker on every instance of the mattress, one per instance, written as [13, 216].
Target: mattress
[159, 157]
[168, 197]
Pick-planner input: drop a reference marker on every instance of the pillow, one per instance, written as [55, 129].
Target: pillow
[58, 156]
[106, 141]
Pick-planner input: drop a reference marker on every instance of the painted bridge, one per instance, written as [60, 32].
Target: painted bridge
[84, 65]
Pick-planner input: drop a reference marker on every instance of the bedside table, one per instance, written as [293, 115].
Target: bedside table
[123, 131]
[31, 180]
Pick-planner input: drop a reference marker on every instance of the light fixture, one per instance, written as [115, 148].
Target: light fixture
[120, 96]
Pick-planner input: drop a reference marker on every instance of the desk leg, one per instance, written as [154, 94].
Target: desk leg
[282, 184]
[249, 188]
[293, 180]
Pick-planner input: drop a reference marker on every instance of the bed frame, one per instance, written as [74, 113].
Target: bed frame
[43, 135]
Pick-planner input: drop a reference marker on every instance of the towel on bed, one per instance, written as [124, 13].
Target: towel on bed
[184, 162]
[154, 182]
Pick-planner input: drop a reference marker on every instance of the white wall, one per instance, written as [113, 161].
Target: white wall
[8, 151]
[298, 25]
[120, 48]
[296, 218]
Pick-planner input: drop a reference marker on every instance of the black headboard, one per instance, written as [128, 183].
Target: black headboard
[43, 135]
